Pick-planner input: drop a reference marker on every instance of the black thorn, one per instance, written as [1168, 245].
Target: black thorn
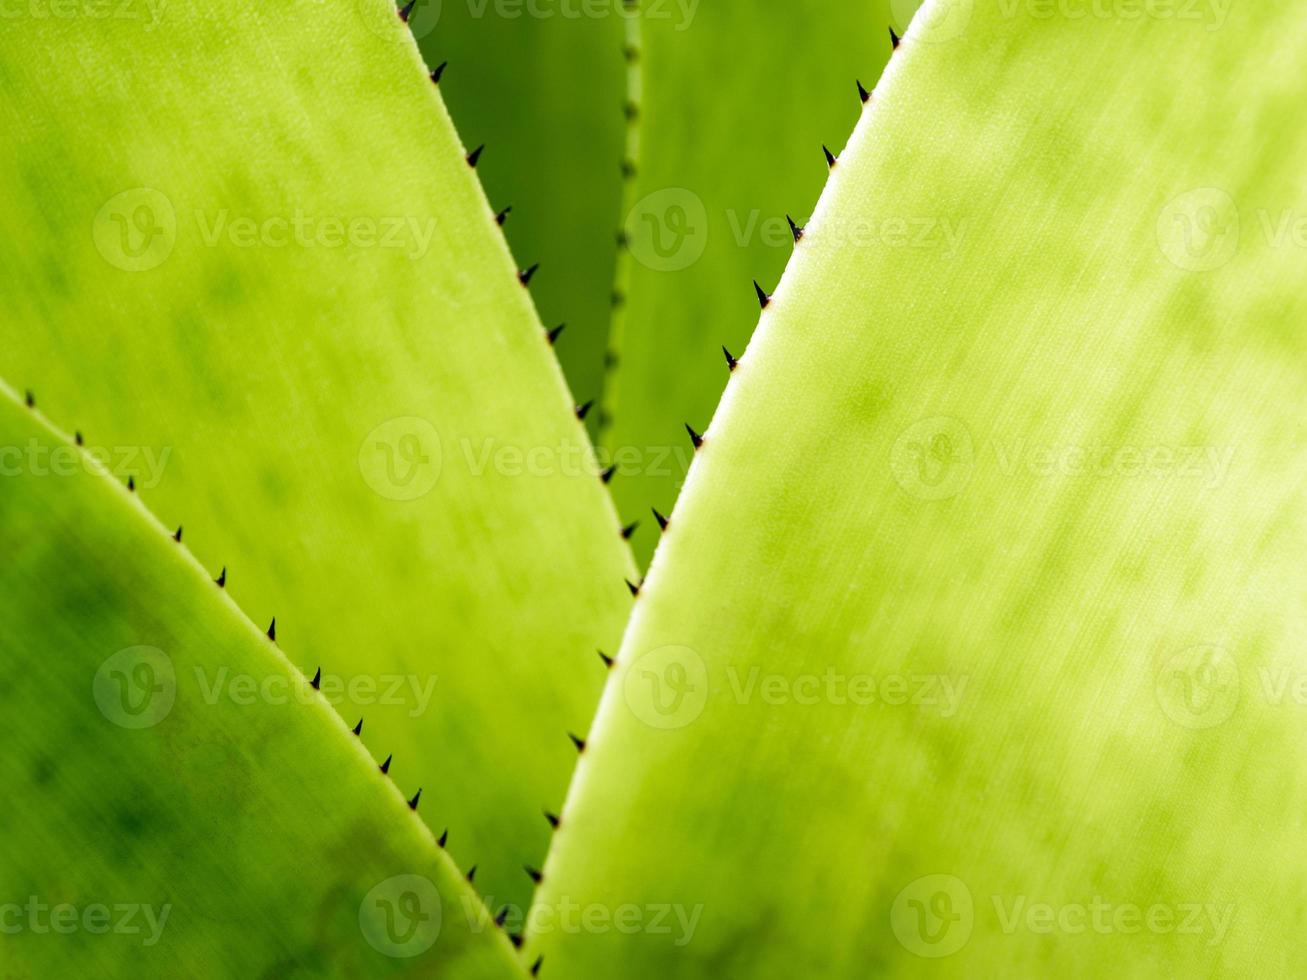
[413, 803]
[553, 334]
[77, 438]
[795, 230]
[631, 111]
[221, 580]
[29, 398]
[730, 361]
[471, 874]
[893, 39]
[607, 474]
[532, 873]
[578, 742]
[863, 94]
[553, 820]
[628, 169]
[524, 277]
[475, 155]
[440, 70]
[385, 766]
[502, 917]
[608, 661]
[131, 484]
[316, 683]
[535, 967]
[272, 630]
[583, 410]
[444, 837]
[358, 729]
[694, 436]
[407, 10]
[631, 53]
[516, 939]
[635, 589]
[177, 535]
[629, 530]
[830, 157]
[502, 216]
[763, 297]
[662, 521]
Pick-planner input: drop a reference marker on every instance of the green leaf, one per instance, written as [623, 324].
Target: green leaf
[154, 830]
[374, 441]
[735, 102]
[541, 85]
[974, 645]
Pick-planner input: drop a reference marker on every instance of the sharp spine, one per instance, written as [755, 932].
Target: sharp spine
[583, 410]
[413, 803]
[475, 155]
[634, 589]
[524, 277]
[553, 820]
[177, 535]
[535, 967]
[406, 11]
[444, 837]
[553, 334]
[763, 296]
[694, 436]
[272, 630]
[730, 361]
[502, 216]
[662, 521]
[578, 742]
[795, 230]
[831, 158]
[221, 580]
[608, 661]
[532, 873]
[385, 766]
[471, 874]
[358, 729]
[863, 94]
[894, 39]
[607, 474]
[440, 70]
[316, 683]
[629, 530]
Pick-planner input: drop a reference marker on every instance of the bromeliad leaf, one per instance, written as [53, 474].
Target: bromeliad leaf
[268, 289]
[153, 830]
[971, 644]
[726, 168]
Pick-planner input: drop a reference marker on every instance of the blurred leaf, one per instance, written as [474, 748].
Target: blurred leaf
[975, 645]
[268, 288]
